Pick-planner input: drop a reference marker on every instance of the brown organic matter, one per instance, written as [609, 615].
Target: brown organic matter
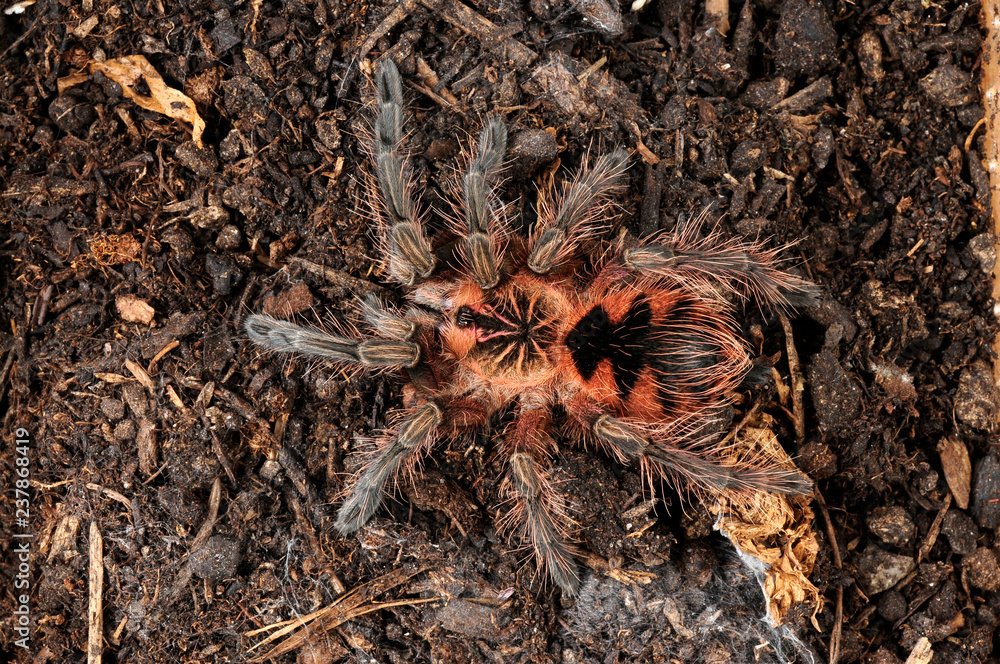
[861, 146]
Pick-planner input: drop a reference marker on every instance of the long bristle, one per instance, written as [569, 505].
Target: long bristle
[747, 268]
[563, 223]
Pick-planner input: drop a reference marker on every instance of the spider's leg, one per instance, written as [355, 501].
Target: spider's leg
[745, 267]
[410, 255]
[285, 337]
[680, 452]
[480, 240]
[385, 322]
[561, 225]
[413, 438]
[539, 511]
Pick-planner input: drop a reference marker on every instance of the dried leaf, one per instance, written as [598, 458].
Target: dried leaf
[130, 70]
[957, 468]
[774, 529]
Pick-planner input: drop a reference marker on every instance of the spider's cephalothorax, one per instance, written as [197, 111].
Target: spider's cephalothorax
[642, 353]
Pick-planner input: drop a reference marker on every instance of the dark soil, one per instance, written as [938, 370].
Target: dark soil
[846, 128]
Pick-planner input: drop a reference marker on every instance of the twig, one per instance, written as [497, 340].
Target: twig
[95, 605]
[394, 18]
[483, 29]
[838, 620]
[934, 530]
[184, 574]
[991, 100]
[336, 277]
[798, 384]
[352, 604]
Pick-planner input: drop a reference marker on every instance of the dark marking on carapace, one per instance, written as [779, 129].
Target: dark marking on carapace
[514, 329]
[624, 343]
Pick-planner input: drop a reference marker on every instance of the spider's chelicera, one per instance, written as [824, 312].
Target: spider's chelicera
[641, 351]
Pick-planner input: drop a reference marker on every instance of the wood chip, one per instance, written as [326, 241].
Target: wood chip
[112, 378]
[957, 468]
[147, 444]
[141, 376]
[95, 610]
[85, 27]
[921, 653]
[134, 309]
[64, 538]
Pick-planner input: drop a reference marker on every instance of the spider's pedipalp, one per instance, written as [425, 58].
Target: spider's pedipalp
[480, 245]
[385, 322]
[410, 256]
[745, 267]
[561, 226]
[415, 436]
[285, 337]
[539, 512]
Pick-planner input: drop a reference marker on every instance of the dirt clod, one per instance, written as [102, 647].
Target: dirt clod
[960, 531]
[805, 40]
[981, 569]
[892, 525]
[217, 559]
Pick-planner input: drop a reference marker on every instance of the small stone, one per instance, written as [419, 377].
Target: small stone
[303, 158]
[926, 480]
[200, 160]
[328, 133]
[180, 243]
[212, 217]
[805, 41]
[270, 469]
[823, 147]
[960, 531]
[231, 147]
[217, 559]
[981, 569]
[762, 95]
[747, 157]
[869, 50]
[817, 460]
[892, 525]
[72, 114]
[879, 570]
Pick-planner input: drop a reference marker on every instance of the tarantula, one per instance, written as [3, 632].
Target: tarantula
[640, 352]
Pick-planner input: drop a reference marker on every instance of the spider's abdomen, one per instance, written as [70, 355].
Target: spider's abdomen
[657, 353]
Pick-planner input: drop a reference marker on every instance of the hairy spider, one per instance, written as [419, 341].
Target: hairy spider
[641, 351]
